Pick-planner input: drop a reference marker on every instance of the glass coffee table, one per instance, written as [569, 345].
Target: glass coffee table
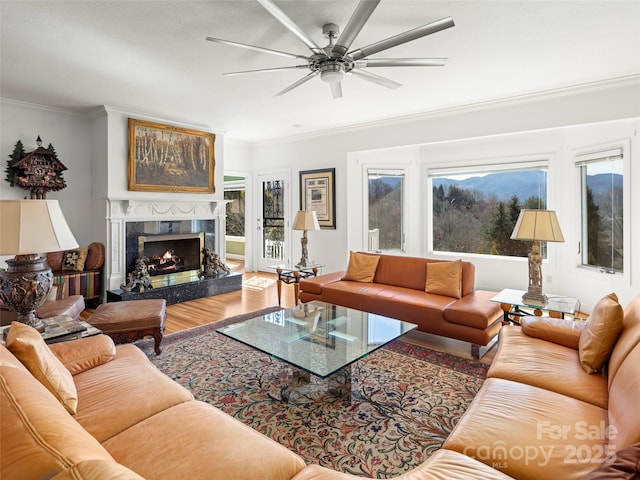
[318, 339]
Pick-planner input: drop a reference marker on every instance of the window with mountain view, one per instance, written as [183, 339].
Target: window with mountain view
[601, 178]
[475, 210]
[386, 197]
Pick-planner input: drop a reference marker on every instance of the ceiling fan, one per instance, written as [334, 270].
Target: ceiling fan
[334, 61]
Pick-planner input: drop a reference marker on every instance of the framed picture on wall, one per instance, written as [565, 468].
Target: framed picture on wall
[163, 158]
[317, 193]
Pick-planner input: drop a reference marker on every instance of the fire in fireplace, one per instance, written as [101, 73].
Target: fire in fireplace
[171, 253]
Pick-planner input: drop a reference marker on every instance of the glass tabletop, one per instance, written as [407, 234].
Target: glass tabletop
[555, 303]
[295, 268]
[318, 337]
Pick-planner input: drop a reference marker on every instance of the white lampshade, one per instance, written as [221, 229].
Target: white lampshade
[306, 220]
[33, 226]
[541, 225]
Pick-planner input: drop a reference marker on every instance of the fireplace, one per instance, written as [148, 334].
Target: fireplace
[193, 223]
[173, 247]
[173, 253]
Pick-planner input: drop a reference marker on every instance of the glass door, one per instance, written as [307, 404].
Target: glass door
[272, 222]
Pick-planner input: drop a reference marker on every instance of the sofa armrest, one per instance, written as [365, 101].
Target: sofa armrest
[314, 284]
[557, 330]
[85, 353]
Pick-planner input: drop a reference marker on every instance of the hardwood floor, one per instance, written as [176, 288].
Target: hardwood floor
[259, 291]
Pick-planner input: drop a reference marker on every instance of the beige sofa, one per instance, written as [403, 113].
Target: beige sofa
[539, 415]
[398, 290]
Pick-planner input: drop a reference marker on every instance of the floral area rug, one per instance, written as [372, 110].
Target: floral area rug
[403, 402]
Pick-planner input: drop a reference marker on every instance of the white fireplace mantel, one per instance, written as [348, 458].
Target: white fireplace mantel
[130, 209]
[123, 210]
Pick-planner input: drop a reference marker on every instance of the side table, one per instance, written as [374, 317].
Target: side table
[293, 275]
[512, 305]
[60, 329]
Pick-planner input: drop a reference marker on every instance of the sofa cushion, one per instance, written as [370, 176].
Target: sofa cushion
[84, 353]
[98, 470]
[442, 465]
[28, 346]
[401, 271]
[445, 278]
[527, 432]
[74, 259]
[624, 392]
[194, 440]
[474, 310]
[557, 330]
[39, 438]
[361, 268]
[600, 334]
[118, 394]
[625, 464]
[547, 365]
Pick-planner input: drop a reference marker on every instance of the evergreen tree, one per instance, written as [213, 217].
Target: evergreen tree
[11, 171]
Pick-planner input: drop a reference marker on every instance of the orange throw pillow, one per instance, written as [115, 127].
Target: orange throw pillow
[362, 267]
[444, 278]
[600, 334]
[28, 346]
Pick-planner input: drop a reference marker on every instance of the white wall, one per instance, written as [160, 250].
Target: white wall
[70, 135]
[555, 125]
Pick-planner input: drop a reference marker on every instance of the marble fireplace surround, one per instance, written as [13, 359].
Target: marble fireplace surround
[121, 211]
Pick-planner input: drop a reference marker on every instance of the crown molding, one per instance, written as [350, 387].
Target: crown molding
[579, 89]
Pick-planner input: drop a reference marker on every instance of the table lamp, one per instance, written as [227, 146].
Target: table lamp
[536, 225]
[30, 227]
[305, 220]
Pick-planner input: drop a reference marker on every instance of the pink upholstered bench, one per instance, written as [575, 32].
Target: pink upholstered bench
[132, 320]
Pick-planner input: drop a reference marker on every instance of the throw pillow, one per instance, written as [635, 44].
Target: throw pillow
[362, 267]
[445, 278]
[600, 333]
[74, 259]
[28, 346]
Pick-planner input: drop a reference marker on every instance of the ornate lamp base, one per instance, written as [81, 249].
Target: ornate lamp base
[534, 295]
[304, 260]
[24, 287]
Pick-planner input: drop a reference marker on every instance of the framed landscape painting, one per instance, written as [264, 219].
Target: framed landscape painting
[318, 193]
[163, 158]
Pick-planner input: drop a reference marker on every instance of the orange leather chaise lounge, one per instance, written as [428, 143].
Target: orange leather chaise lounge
[438, 296]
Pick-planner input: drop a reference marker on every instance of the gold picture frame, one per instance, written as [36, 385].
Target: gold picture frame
[163, 158]
[318, 193]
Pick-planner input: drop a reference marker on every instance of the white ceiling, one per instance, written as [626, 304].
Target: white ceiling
[151, 57]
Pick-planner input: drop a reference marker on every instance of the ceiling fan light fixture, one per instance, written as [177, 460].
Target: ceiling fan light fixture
[332, 72]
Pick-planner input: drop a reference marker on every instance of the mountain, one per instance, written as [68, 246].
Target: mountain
[524, 184]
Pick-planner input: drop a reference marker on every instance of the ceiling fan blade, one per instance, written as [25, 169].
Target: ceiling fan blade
[377, 79]
[336, 90]
[360, 16]
[264, 70]
[401, 62]
[253, 47]
[402, 38]
[296, 84]
[284, 19]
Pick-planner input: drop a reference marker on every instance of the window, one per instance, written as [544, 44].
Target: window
[474, 209]
[601, 179]
[386, 210]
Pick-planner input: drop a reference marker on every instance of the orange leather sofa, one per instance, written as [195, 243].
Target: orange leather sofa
[398, 291]
[537, 416]
[540, 416]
